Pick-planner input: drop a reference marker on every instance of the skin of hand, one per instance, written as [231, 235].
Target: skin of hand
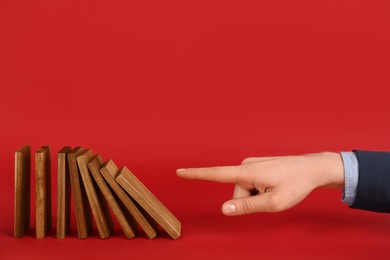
[280, 182]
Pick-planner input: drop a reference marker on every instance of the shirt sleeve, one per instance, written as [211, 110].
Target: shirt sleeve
[351, 175]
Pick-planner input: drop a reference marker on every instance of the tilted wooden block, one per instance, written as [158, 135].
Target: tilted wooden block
[63, 193]
[82, 208]
[22, 191]
[126, 224]
[43, 191]
[149, 202]
[109, 172]
[99, 207]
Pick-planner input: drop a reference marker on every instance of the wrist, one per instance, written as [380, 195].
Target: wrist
[328, 170]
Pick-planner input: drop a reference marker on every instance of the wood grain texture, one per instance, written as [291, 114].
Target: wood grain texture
[63, 193]
[149, 202]
[99, 207]
[22, 191]
[82, 208]
[42, 191]
[126, 224]
[109, 171]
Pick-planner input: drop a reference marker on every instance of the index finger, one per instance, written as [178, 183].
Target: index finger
[225, 174]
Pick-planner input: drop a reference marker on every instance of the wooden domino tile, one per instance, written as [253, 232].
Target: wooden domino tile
[82, 208]
[109, 171]
[100, 210]
[22, 191]
[149, 202]
[126, 224]
[43, 191]
[63, 193]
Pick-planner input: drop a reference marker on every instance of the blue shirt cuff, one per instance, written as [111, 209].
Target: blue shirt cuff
[351, 175]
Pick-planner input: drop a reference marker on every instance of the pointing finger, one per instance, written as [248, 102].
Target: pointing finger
[226, 174]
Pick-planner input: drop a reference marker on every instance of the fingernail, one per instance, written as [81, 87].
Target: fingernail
[229, 208]
[180, 170]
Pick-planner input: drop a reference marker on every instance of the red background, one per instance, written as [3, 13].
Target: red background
[160, 85]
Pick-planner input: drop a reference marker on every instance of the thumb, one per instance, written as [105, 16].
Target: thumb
[242, 206]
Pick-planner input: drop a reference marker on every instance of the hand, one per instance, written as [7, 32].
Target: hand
[273, 184]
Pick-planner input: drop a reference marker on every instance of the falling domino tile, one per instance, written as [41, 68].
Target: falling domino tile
[126, 224]
[22, 191]
[149, 202]
[82, 208]
[99, 207]
[109, 172]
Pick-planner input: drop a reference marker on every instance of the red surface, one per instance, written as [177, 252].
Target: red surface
[160, 85]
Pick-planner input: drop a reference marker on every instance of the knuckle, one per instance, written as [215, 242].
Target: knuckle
[214, 172]
[244, 169]
[247, 172]
[246, 160]
[216, 169]
[213, 177]
[246, 206]
[237, 192]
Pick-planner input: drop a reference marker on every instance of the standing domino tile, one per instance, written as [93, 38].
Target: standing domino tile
[22, 191]
[63, 193]
[42, 191]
